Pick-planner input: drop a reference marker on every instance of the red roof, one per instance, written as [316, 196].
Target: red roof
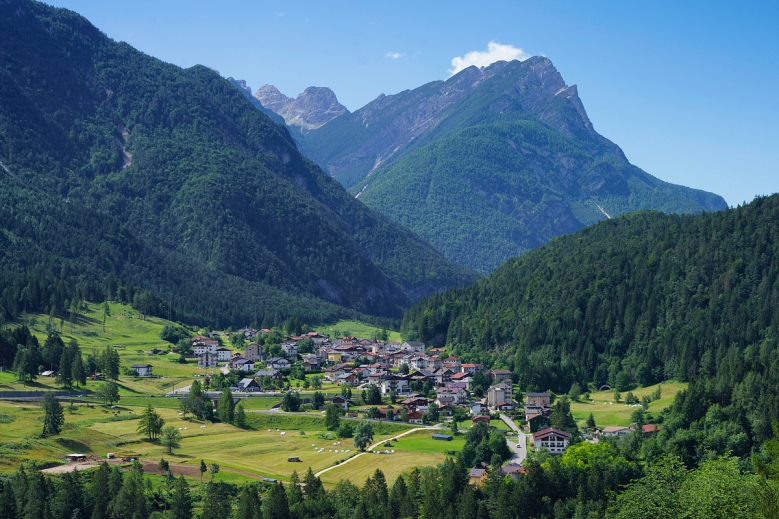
[649, 428]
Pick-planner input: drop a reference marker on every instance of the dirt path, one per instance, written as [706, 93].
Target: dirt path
[376, 445]
[149, 467]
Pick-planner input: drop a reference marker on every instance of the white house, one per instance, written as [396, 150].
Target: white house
[244, 365]
[223, 354]
[143, 370]
[278, 363]
[551, 439]
[397, 383]
[205, 347]
[415, 346]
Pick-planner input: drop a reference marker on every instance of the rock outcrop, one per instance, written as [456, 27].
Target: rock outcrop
[310, 110]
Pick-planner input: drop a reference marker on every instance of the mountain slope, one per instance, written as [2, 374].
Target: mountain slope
[639, 299]
[539, 169]
[193, 170]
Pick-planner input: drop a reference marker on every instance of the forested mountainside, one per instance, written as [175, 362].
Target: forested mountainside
[633, 301]
[501, 158]
[219, 214]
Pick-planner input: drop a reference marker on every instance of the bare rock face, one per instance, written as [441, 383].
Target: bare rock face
[309, 111]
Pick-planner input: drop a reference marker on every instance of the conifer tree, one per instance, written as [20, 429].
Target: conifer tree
[181, 501]
[53, 418]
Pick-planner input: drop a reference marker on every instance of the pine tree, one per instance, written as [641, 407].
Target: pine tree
[275, 505]
[77, 372]
[248, 503]
[216, 502]
[203, 469]
[240, 416]
[226, 408]
[150, 423]
[294, 492]
[332, 417]
[181, 501]
[53, 418]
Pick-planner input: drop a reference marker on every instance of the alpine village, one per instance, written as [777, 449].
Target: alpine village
[459, 301]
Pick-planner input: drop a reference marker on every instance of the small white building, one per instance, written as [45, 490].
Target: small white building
[143, 370]
[223, 354]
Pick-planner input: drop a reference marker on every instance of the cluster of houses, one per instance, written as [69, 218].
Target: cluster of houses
[394, 367]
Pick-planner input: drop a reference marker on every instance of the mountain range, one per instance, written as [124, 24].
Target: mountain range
[202, 198]
[486, 165]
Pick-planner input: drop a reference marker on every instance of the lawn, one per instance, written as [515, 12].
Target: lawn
[355, 329]
[606, 411]
[131, 337]
[415, 450]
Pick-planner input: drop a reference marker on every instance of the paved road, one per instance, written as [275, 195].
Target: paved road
[518, 447]
[376, 445]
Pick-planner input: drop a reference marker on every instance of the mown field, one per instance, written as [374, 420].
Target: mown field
[355, 329]
[607, 411]
[418, 449]
[260, 452]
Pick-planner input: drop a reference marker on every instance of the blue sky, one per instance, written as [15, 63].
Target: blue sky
[690, 92]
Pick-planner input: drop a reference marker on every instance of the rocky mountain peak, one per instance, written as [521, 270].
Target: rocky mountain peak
[314, 107]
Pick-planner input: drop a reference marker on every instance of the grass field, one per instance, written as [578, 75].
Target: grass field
[415, 450]
[608, 412]
[355, 329]
[262, 451]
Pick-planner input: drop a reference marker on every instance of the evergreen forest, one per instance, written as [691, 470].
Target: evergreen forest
[117, 169]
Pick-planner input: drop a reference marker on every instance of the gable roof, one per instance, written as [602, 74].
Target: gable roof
[540, 435]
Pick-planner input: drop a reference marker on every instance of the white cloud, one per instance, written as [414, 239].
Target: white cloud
[395, 55]
[495, 52]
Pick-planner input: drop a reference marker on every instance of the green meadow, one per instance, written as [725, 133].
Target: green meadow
[607, 411]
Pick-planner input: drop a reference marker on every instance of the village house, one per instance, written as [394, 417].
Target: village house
[616, 430]
[242, 364]
[459, 396]
[254, 352]
[290, 350]
[333, 372]
[452, 363]
[513, 470]
[349, 379]
[278, 363]
[142, 370]
[341, 401]
[273, 374]
[442, 376]
[499, 394]
[499, 375]
[223, 354]
[415, 346]
[538, 399]
[649, 429]
[416, 417]
[551, 439]
[481, 418]
[205, 346]
[311, 363]
[248, 385]
[396, 383]
[477, 477]
[415, 402]
[207, 360]
[335, 356]
[471, 368]
[478, 408]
